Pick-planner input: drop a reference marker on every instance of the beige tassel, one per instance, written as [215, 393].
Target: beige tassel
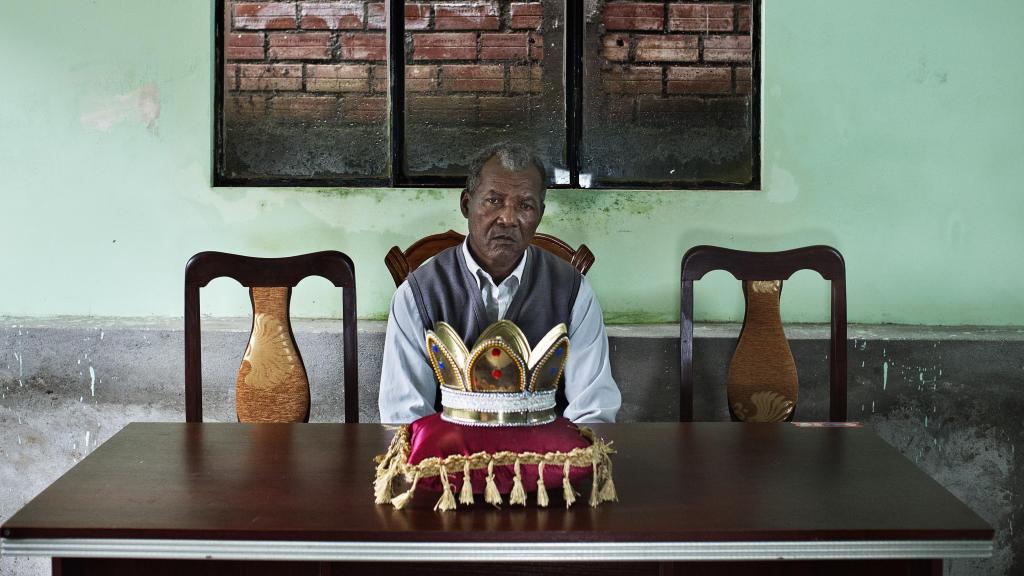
[491, 494]
[466, 495]
[401, 500]
[382, 486]
[567, 492]
[595, 494]
[385, 461]
[608, 492]
[447, 500]
[542, 491]
[518, 495]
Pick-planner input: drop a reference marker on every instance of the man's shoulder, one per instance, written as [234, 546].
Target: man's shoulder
[554, 263]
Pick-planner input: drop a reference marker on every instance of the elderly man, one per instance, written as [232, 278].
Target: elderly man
[496, 274]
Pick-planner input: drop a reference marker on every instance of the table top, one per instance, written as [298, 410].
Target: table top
[687, 491]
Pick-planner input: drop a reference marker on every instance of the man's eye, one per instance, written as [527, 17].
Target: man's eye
[526, 207]
[494, 201]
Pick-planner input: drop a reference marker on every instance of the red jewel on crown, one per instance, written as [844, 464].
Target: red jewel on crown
[496, 374]
[495, 352]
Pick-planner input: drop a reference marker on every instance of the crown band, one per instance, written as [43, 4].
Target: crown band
[498, 401]
[498, 409]
[477, 418]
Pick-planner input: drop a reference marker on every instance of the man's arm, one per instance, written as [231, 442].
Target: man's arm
[592, 393]
[407, 388]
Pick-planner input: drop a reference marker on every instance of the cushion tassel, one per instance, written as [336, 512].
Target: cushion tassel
[466, 495]
[491, 494]
[447, 500]
[567, 492]
[542, 491]
[386, 460]
[595, 494]
[382, 486]
[518, 495]
[608, 492]
[402, 499]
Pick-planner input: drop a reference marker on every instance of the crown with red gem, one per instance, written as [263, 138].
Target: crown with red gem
[500, 381]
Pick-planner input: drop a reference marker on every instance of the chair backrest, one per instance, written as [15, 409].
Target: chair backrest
[401, 263]
[762, 274]
[271, 384]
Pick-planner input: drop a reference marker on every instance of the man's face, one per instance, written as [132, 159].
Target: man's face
[503, 215]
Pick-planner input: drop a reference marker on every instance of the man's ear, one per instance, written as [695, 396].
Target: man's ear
[464, 202]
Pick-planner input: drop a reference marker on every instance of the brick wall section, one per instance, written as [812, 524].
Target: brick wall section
[306, 60]
[421, 78]
[701, 17]
[300, 46]
[263, 16]
[632, 80]
[362, 46]
[325, 60]
[417, 16]
[675, 49]
[691, 80]
[377, 16]
[244, 46]
[668, 48]
[275, 77]
[468, 16]
[525, 80]
[446, 46]
[646, 16]
[338, 78]
[514, 47]
[473, 78]
[526, 15]
[331, 16]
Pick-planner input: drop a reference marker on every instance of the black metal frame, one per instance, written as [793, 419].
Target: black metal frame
[574, 49]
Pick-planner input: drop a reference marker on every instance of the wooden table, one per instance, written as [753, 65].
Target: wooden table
[161, 498]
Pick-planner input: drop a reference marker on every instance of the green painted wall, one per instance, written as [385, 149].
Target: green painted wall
[892, 130]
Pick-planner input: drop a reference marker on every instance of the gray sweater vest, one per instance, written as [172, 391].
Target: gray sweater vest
[444, 289]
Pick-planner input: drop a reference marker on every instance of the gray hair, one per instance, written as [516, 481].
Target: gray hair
[513, 157]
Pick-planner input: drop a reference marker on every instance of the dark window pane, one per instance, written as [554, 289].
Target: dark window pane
[305, 91]
[667, 93]
[478, 72]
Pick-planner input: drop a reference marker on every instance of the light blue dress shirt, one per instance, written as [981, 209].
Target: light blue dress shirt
[407, 384]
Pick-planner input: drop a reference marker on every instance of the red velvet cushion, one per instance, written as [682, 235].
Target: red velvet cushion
[431, 436]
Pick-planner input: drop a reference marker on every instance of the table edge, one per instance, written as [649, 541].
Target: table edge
[493, 551]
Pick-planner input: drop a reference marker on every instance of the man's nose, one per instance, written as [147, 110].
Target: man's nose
[507, 215]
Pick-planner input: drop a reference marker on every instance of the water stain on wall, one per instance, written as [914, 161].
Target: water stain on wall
[141, 106]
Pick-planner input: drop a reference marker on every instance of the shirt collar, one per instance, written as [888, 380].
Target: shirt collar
[480, 274]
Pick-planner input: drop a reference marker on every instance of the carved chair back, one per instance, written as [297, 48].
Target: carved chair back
[762, 379]
[272, 385]
[402, 262]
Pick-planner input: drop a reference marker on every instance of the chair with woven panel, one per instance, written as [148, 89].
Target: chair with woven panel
[401, 263]
[762, 380]
[272, 385]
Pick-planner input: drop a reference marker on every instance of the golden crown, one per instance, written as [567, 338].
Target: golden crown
[500, 381]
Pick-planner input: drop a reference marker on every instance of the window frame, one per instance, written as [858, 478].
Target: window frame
[575, 30]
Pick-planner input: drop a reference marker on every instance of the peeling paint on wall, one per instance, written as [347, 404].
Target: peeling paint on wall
[140, 106]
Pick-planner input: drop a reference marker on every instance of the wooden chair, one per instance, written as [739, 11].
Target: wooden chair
[759, 352]
[272, 384]
[401, 264]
